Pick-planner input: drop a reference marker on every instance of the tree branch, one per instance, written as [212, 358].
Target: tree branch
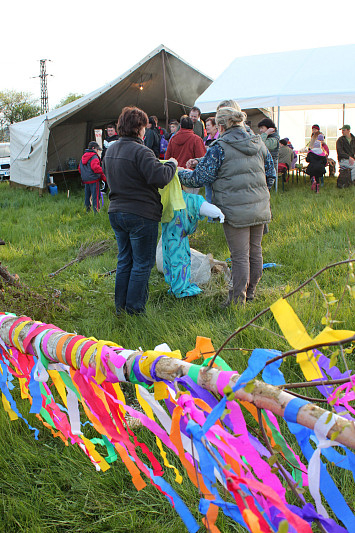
[268, 308]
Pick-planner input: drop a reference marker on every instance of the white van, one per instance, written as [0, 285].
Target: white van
[4, 161]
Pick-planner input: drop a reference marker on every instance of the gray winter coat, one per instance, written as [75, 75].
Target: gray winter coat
[240, 190]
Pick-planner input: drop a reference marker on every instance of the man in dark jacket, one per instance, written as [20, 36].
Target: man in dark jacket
[152, 137]
[198, 125]
[110, 138]
[91, 174]
[346, 150]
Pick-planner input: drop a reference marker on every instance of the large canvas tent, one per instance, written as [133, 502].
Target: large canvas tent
[162, 84]
[298, 78]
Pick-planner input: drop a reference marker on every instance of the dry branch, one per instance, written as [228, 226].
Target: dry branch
[91, 250]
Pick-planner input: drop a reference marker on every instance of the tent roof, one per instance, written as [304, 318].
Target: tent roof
[183, 82]
[38, 143]
[300, 77]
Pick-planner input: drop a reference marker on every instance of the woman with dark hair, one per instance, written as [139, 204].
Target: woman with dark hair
[211, 130]
[134, 175]
[152, 136]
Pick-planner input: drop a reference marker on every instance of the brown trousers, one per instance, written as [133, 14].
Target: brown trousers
[247, 260]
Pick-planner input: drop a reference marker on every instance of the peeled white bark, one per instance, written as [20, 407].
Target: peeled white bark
[263, 395]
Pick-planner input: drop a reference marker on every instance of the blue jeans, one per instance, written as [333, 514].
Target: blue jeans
[137, 241]
[92, 190]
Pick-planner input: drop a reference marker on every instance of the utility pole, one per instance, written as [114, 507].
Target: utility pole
[44, 89]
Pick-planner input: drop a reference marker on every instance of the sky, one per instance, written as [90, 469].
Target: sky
[91, 43]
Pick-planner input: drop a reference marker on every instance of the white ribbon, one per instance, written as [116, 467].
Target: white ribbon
[162, 348]
[2, 319]
[40, 373]
[321, 430]
[73, 411]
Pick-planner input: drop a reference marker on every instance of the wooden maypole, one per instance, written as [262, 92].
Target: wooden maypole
[263, 395]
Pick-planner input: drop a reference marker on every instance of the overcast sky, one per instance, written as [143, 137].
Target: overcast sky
[91, 42]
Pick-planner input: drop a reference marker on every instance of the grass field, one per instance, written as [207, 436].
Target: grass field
[46, 486]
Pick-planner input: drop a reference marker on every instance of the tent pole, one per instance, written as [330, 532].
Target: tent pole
[343, 113]
[166, 108]
[278, 129]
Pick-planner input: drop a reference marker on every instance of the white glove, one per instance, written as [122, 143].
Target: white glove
[212, 211]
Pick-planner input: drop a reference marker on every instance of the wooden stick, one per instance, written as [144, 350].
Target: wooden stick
[263, 396]
[315, 383]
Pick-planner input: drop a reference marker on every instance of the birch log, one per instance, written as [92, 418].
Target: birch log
[263, 395]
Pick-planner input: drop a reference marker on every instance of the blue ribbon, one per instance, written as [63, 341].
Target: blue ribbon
[184, 512]
[207, 466]
[256, 363]
[270, 265]
[292, 408]
[7, 394]
[35, 391]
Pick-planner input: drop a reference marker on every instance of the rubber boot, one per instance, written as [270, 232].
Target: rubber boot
[313, 183]
[317, 188]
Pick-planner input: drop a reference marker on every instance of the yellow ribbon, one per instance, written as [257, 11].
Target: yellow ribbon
[17, 332]
[146, 361]
[89, 352]
[120, 396]
[298, 338]
[59, 385]
[95, 455]
[7, 407]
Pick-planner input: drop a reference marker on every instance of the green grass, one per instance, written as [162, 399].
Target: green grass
[46, 486]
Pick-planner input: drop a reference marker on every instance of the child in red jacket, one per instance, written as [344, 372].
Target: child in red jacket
[91, 174]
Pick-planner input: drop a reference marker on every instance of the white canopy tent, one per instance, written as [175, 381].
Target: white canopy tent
[297, 78]
[162, 84]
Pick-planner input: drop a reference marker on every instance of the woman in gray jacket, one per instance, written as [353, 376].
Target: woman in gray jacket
[235, 166]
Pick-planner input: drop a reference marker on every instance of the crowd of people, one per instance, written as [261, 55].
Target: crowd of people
[236, 166]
